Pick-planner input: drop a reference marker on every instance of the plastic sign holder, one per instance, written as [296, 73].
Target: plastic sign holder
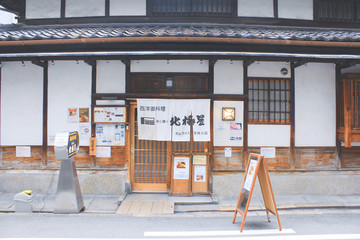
[68, 195]
[256, 166]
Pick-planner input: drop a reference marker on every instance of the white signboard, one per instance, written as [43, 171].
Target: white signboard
[181, 167]
[250, 175]
[170, 120]
[103, 152]
[268, 152]
[23, 151]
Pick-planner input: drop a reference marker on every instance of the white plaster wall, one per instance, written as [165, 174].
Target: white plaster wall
[296, 9]
[110, 77]
[43, 8]
[268, 69]
[354, 69]
[315, 105]
[76, 8]
[255, 8]
[69, 87]
[222, 137]
[228, 77]
[127, 8]
[21, 104]
[7, 17]
[194, 66]
[268, 135]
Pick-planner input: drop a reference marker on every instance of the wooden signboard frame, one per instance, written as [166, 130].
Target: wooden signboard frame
[256, 166]
[181, 182]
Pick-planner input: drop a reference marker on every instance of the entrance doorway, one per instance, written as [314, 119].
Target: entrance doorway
[150, 161]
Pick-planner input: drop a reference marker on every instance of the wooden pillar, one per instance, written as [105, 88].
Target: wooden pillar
[246, 64]
[292, 116]
[93, 65]
[45, 113]
[347, 113]
[45, 67]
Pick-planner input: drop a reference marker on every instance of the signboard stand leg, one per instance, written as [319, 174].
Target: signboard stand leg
[68, 196]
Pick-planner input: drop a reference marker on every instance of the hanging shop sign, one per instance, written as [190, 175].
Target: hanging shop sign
[171, 120]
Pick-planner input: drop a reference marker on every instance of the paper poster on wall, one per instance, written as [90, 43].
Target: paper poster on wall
[72, 115]
[250, 174]
[199, 173]
[228, 152]
[23, 151]
[84, 116]
[236, 132]
[104, 152]
[181, 167]
[84, 132]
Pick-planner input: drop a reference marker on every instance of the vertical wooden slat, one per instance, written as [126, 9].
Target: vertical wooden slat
[45, 113]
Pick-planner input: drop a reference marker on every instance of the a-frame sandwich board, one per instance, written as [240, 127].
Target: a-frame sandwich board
[256, 166]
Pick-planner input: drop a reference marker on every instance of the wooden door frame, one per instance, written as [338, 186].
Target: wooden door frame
[145, 186]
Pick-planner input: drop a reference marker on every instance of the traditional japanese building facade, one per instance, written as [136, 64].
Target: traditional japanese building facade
[288, 70]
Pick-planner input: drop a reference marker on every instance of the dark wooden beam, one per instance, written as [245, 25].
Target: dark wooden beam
[299, 63]
[62, 9]
[211, 75]
[39, 63]
[348, 64]
[107, 8]
[248, 62]
[125, 61]
[276, 8]
[90, 62]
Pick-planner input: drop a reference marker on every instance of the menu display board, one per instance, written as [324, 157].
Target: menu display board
[110, 114]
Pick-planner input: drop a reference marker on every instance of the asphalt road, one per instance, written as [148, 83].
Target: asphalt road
[296, 224]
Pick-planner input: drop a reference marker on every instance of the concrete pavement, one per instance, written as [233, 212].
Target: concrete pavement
[143, 204]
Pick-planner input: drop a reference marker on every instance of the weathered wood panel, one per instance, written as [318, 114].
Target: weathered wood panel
[117, 160]
[82, 158]
[281, 160]
[9, 160]
[315, 158]
[235, 162]
[350, 157]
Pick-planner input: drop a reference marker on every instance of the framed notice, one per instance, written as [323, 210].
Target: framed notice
[110, 114]
[199, 159]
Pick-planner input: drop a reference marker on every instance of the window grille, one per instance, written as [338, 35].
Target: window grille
[192, 8]
[337, 10]
[269, 101]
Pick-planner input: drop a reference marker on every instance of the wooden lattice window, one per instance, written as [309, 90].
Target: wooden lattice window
[192, 8]
[269, 101]
[337, 10]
